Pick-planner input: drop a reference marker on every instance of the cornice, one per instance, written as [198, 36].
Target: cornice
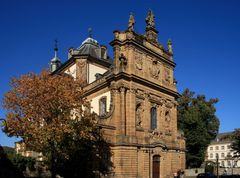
[151, 146]
[104, 126]
[105, 81]
[73, 59]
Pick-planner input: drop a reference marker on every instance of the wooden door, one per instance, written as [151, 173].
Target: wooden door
[156, 166]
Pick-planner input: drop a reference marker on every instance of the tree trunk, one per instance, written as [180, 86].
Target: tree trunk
[53, 165]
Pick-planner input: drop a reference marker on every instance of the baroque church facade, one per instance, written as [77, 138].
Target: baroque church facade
[134, 96]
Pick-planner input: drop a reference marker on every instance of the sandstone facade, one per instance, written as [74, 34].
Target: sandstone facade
[135, 98]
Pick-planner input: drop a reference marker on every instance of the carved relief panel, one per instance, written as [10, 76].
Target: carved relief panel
[167, 76]
[138, 60]
[81, 69]
[155, 69]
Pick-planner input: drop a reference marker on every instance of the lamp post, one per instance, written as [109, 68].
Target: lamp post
[217, 157]
[1, 148]
[230, 158]
[234, 163]
[99, 151]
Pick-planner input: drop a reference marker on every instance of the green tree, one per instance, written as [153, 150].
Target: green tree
[236, 143]
[7, 168]
[19, 161]
[196, 117]
[51, 115]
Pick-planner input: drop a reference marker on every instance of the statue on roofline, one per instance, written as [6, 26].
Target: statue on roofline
[131, 22]
[150, 19]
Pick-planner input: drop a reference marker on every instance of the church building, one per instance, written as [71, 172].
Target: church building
[134, 96]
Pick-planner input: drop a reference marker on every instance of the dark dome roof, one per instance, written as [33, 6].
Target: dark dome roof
[90, 47]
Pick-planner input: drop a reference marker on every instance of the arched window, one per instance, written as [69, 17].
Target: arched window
[156, 166]
[153, 118]
[102, 105]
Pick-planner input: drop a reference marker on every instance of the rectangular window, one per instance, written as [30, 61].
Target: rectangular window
[223, 164]
[153, 118]
[222, 155]
[211, 148]
[211, 155]
[222, 147]
[216, 147]
[229, 163]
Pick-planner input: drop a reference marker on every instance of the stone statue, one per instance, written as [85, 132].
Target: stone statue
[167, 76]
[139, 115]
[131, 22]
[123, 60]
[169, 44]
[150, 19]
[167, 116]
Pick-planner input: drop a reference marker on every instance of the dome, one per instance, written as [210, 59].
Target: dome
[90, 40]
[90, 47]
[55, 62]
[55, 59]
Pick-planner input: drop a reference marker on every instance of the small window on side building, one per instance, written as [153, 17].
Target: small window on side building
[102, 105]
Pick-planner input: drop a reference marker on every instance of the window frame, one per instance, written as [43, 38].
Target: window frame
[153, 116]
[100, 102]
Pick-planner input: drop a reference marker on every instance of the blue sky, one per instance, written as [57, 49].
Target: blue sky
[205, 35]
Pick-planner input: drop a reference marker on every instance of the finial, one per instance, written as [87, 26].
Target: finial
[131, 22]
[150, 19]
[56, 47]
[169, 44]
[55, 62]
[90, 32]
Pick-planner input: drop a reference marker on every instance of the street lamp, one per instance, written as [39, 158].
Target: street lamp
[217, 157]
[1, 119]
[233, 161]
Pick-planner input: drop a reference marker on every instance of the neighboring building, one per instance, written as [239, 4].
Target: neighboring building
[21, 149]
[135, 98]
[221, 148]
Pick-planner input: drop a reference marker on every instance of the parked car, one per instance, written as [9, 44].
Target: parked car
[206, 175]
[230, 176]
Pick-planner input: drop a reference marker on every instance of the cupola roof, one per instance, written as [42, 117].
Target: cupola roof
[55, 58]
[90, 47]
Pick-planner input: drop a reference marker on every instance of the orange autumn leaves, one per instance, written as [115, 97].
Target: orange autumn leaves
[43, 108]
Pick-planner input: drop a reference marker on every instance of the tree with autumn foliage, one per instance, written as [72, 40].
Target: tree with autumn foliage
[51, 115]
